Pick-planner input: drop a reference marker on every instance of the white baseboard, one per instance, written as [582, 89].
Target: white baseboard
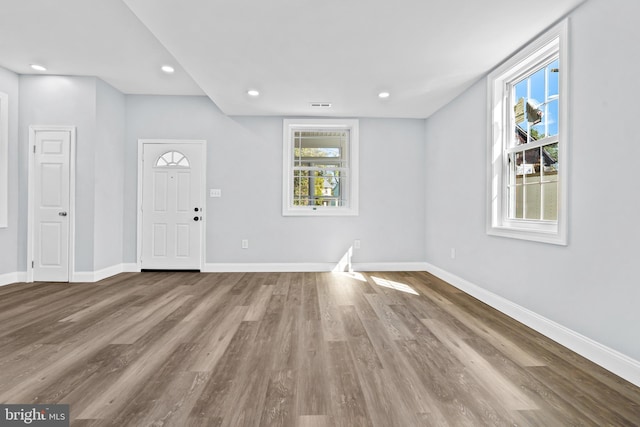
[390, 266]
[77, 277]
[266, 267]
[130, 268]
[96, 276]
[15, 277]
[310, 267]
[610, 359]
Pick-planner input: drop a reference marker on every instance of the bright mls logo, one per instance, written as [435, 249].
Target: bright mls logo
[34, 415]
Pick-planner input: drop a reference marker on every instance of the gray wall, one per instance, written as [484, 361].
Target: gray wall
[589, 286]
[98, 113]
[109, 176]
[244, 159]
[9, 84]
[68, 101]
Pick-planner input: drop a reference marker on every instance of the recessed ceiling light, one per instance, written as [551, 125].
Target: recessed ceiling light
[253, 92]
[167, 69]
[38, 67]
[383, 95]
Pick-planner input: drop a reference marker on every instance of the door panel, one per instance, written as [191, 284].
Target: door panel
[52, 203]
[51, 185]
[171, 190]
[182, 240]
[50, 238]
[184, 202]
[160, 191]
[159, 240]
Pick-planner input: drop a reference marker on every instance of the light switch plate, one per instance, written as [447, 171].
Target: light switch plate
[215, 192]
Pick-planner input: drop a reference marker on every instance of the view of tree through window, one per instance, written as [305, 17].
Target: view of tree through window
[320, 162]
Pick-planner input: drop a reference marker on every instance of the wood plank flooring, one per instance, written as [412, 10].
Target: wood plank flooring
[292, 349]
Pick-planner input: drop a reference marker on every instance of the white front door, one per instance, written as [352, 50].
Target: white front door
[51, 205]
[172, 204]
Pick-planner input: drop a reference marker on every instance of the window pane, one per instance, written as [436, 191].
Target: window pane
[531, 166]
[300, 187]
[537, 89]
[521, 94]
[321, 164]
[315, 152]
[550, 158]
[553, 73]
[521, 89]
[515, 185]
[517, 203]
[551, 118]
[526, 185]
[535, 104]
[533, 184]
[531, 176]
[525, 162]
[528, 107]
[319, 145]
[318, 188]
[550, 200]
[515, 162]
[532, 201]
[537, 131]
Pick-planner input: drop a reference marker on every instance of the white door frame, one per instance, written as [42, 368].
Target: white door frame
[72, 197]
[203, 180]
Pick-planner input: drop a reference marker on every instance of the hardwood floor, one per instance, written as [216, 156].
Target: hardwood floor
[291, 349]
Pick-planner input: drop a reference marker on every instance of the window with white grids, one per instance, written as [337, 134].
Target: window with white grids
[320, 174]
[527, 144]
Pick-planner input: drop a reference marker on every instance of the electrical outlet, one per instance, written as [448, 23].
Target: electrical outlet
[356, 244]
[215, 192]
[453, 253]
[245, 244]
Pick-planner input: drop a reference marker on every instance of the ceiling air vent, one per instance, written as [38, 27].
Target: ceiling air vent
[320, 104]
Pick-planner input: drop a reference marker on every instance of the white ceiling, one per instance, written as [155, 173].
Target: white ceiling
[100, 38]
[424, 52]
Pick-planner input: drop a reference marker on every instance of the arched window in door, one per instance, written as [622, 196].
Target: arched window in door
[172, 159]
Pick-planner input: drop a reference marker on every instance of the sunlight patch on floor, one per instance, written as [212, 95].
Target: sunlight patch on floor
[394, 285]
[353, 275]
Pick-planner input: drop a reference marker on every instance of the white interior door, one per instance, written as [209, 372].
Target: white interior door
[172, 202]
[51, 205]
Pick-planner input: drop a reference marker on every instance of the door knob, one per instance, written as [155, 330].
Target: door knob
[196, 218]
[62, 213]
[196, 209]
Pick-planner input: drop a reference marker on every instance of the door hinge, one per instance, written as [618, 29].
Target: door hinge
[34, 149]
[33, 264]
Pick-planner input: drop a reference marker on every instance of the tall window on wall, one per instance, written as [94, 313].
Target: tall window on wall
[320, 173]
[527, 144]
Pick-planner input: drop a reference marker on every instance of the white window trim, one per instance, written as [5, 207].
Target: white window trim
[4, 160]
[499, 131]
[289, 126]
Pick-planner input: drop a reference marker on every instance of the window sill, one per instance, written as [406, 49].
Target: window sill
[554, 237]
[319, 211]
